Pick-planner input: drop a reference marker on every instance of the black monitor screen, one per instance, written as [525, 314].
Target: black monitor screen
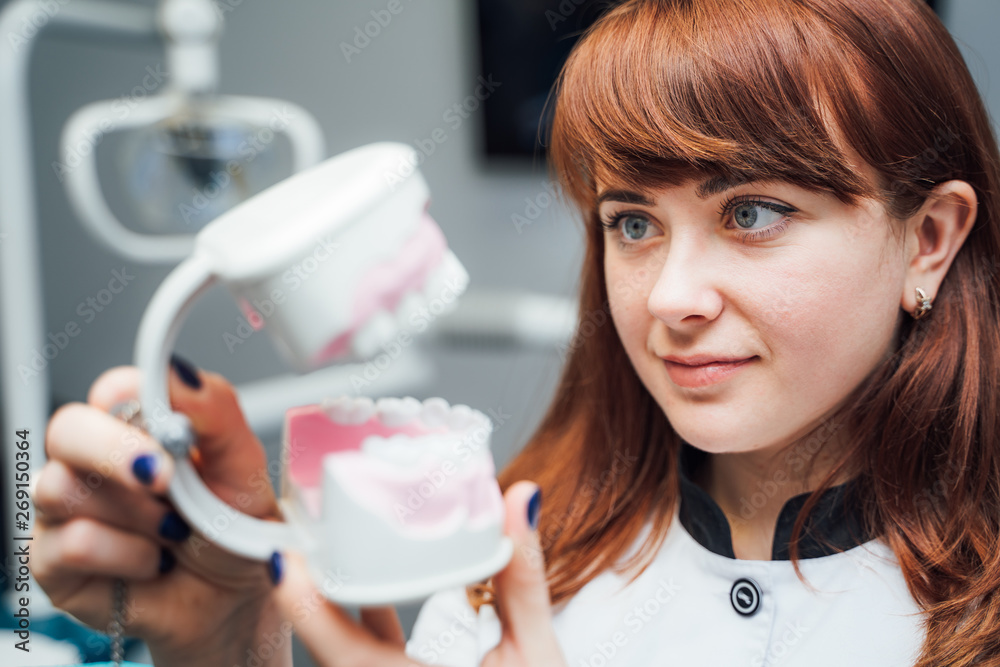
[523, 44]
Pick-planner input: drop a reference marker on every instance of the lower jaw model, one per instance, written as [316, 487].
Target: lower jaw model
[400, 494]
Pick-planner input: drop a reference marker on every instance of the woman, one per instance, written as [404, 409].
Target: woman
[803, 192]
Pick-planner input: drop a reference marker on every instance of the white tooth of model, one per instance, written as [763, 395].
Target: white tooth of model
[394, 412]
[379, 329]
[435, 412]
[395, 450]
[461, 417]
[409, 310]
[446, 281]
[403, 451]
[362, 410]
[338, 409]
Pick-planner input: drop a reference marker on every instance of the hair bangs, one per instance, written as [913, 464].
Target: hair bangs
[745, 109]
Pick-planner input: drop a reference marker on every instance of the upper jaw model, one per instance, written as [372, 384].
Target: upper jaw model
[413, 482]
[353, 272]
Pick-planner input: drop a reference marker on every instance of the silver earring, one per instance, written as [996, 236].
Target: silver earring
[925, 304]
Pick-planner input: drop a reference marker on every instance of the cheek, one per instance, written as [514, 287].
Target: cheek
[629, 285]
[827, 318]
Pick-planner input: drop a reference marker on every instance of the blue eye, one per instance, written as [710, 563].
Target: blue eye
[746, 211]
[746, 215]
[634, 227]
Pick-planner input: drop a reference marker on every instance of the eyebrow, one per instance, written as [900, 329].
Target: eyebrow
[712, 185]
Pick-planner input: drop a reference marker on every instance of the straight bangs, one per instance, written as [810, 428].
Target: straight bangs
[656, 93]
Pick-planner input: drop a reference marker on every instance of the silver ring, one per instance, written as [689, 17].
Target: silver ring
[129, 412]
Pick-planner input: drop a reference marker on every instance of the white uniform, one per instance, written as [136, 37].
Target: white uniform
[698, 605]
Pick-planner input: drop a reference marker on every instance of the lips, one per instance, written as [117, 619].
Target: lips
[701, 375]
[704, 359]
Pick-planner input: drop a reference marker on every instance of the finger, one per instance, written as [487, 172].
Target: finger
[92, 442]
[113, 386]
[332, 637]
[383, 622]
[92, 600]
[59, 494]
[522, 592]
[83, 546]
[228, 455]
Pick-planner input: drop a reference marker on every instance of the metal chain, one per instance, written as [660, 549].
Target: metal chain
[117, 626]
[131, 413]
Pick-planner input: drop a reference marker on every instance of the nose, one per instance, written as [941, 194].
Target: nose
[685, 293]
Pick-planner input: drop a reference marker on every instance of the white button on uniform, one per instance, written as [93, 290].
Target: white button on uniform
[745, 596]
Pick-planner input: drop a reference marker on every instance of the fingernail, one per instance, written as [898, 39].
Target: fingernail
[186, 371]
[275, 567]
[174, 527]
[144, 467]
[533, 506]
[167, 560]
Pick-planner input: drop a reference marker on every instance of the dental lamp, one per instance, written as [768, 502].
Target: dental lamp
[193, 155]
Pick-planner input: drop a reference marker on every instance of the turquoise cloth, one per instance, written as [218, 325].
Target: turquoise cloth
[93, 646]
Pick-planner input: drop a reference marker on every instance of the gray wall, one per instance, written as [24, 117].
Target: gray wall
[397, 88]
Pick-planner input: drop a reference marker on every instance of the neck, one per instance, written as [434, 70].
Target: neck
[752, 487]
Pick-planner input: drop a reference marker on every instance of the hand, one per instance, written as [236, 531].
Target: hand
[96, 521]
[334, 639]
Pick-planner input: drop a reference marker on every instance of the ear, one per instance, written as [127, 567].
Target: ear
[934, 236]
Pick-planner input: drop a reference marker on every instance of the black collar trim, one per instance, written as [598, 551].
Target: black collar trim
[834, 525]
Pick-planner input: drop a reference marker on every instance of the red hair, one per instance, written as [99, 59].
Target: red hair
[660, 90]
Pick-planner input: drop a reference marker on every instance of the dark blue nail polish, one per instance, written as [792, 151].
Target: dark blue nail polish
[533, 506]
[167, 560]
[144, 468]
[275, 567]
[173, 527]
[186, 371]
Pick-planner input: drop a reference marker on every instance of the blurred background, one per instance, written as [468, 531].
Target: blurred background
[412, 78]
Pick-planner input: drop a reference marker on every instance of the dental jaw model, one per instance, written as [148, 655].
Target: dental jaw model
[415, 481]
[337, 261]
